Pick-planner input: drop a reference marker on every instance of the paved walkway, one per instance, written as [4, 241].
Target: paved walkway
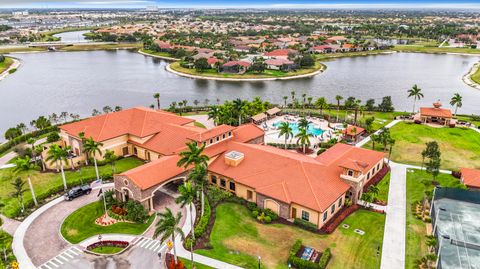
[393, 251]
[5, 158]
[372, 205]
[367, 139]
[9, 225]
[203, 119]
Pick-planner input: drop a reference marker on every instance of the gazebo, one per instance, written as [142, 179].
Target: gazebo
[259, 118]
[272, 112]
[436, 114]
[352, 132]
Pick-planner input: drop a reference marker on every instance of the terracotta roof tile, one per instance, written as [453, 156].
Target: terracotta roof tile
[470, 177]
[436, 112]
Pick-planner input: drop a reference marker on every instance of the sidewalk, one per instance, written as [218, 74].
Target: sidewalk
[9, 225]
[372, 205]
[393, 252]
[367, 139]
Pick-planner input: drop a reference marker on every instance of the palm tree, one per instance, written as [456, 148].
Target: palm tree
[391, 142]
[58, 156]
[292, 93]
[167, 226]
[354, 131]
[303, 138]
[304, 99]
[82, 137]
[285, 98]
[157, 97]
[24, 165]
[38, 151]
[373, 138]
[193, 155]
[373, 189]
[321, 103]
[18, 191]
[303, 123]
[238, 105]
[416, 93]
[286, 131]
[187, 195]
[111, 158]
[356, 105]
[338, 98]
[31, 142]
[91, 148]
[309, 101]
[214, 114]
[198, 175]
[456, 101]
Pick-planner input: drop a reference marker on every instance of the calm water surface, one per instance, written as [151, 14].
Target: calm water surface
[77, 82]
[76, 36]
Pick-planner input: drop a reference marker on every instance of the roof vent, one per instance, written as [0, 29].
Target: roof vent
[233, 158]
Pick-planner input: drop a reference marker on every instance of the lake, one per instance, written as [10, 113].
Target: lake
[77, 82]
[73, 37]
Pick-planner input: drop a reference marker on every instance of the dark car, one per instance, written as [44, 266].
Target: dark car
[77, 191]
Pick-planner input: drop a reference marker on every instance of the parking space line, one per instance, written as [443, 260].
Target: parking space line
[150, 244]
[159, 247]
[77, 250]
[60, 256]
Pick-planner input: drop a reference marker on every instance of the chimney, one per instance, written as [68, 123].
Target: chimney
[233, 158]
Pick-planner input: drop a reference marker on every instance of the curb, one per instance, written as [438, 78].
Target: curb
[467, 78]
[15, 65]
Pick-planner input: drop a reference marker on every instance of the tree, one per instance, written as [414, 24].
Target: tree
[21, 126]
[307, 61]
[157, 97]
[95, 112]
[356, 105]
[373, 189]
[18, 191]
[198, 175]
[370, 104]
[58, 156]
[117, 108]
[42, 123]
[111, 158]
[25, 165]
[213, 114]
[12, 133]
[386, 105]
[433, 166]
[187, 195]
[258, 65]
[238, 105]
[303, 138]
[303, 123]
[167, 226]
[53, 137]
[193, 155]
[374, 139]
[416, 93]
[285, 98]
[107, 109]
[390, 142]
[369, 124]
[338, 98]
[64, 115]
[286, 131]
[456, 101]
[431, 151]
[321, 103]
[91, 148]
[201, 64]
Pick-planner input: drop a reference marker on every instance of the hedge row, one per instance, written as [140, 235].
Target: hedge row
[300, 263]
[202, 224]
[333, 223]
[307, 225]
[23, 138]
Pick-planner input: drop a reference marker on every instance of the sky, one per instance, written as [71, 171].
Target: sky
[468, 4]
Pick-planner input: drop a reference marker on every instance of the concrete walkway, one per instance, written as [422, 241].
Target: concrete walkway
[6, 158]
[367, 139]
[393, 252]
[372, 205]
[203, 119]
[9, 225]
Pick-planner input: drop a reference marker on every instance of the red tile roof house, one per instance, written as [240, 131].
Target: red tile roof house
[291, 184]
[353, 133]
[321, 49]
[435, 114]
[470, 177]
[235, 67]
[279, 53]
[280, 64]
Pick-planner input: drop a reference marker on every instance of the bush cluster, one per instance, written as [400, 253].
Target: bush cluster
[300, 263]
[23, 138]
[305, 225]
[262, 215]
[201, 226]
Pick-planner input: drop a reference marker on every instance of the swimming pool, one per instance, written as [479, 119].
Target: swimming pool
[311, 129]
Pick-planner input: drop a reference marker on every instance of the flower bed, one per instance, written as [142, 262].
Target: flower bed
[105, 220]
[108, 243]
[170, 262]
[333, 223]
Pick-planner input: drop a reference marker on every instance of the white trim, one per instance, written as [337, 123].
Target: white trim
[268, 199]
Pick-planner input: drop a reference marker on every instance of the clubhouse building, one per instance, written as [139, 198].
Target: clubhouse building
[291, 184]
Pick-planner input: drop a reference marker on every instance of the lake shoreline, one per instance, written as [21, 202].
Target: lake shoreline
[467, 78]
[15, 65]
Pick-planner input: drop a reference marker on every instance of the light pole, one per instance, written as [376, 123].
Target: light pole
[259, 261]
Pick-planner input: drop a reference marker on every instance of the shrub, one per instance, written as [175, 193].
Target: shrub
[201, 226]
[272, 215]
[326, 256]
[13, 70]
[53, 137]
[305, 225]
[267, 219]
[136, 212]
[299, 263]
[252, 206]
[255, 213]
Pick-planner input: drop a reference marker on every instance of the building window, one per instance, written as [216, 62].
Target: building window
[373, 171]
[350, 173]
[218, 138]
[368, 175]
[214, 179]
[135, 151]
[125, 151]
[223, 136]
[211, 141]
[232, 186]
[305, 215]
[340, 202]
[333, 209]
[325, 216]
[378, 166]
[223, 183]
[249, 195]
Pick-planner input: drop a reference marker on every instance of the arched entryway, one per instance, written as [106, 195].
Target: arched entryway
[164, 195]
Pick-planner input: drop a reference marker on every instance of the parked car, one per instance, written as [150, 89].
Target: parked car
[77, 191]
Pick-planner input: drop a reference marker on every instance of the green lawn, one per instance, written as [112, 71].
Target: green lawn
[80, 225]
[460, 147]
[476, 76]
[417, 183]
[43, 183]
[199, 124]
[6, 244]
[162, 54]
[383, 188]
[238, 239]
[266, 74]
[434, 49]
[6, 64]
[188, 264]
[107, 250]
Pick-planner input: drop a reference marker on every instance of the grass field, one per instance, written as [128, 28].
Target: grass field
[161, 54]
[106, 250]
[417, 183]
[199, 124]
[434, 49]
[460, 147]
[6, 245]
[266, 74]
[476, 76]
[44, 182]
[188, 264]
[80, 225]
[383, 187]
[6, 64]
[238, 239]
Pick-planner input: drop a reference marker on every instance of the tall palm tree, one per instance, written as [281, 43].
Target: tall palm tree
[198, 175]
[187, 192]
[356, 105]
[157, 97]
[193, 155]
[292, 93]
[25, 165]
[111, 158]
[321, 103]
[303, 138]
[285, 98]
[456, 101]
[238, 105]
[303, 123]
[18, 191]
[92, 147]
[286, 131]
[38, 152]
[304, 99]
[214, 114]
[58, 156]
[338, 98]
[416, 93]
[167, 226]
[82, 137]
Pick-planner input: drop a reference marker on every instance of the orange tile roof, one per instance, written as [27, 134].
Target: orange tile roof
[138, 121]
[154, 173]
[286, 176]
[247, 132]
[172, 139]
[211, 133]
[350, 131]
[280, 52]
[470, 177]
[436, 112]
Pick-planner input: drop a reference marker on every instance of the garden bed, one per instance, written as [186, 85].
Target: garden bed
[108, 247]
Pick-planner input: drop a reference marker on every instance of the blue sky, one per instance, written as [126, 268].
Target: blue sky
[244, 3]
